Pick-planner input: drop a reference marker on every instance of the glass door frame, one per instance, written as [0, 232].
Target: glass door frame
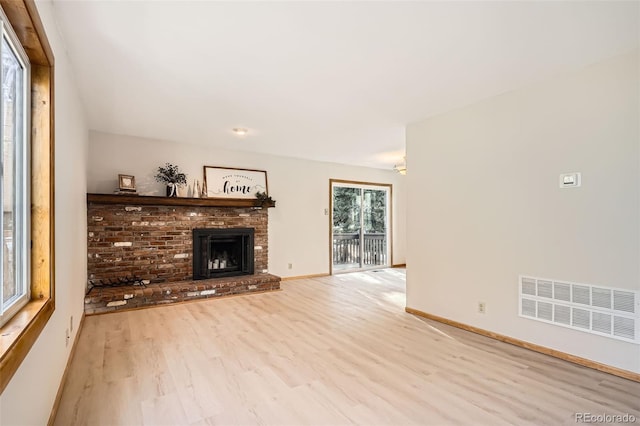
[389, 221]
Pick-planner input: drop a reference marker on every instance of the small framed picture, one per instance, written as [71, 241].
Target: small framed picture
[127, 182]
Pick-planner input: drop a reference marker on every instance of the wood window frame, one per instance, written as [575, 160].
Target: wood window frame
[19, 334]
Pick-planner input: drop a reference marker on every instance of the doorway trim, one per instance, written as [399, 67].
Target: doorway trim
[355, 182]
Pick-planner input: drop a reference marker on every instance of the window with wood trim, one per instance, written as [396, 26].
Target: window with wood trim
[14, 179]
[21, 331]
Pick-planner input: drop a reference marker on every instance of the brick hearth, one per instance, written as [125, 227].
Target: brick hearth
[109, 299]
[141, 237]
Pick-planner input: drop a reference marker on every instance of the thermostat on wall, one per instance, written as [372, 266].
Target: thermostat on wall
[570, 180]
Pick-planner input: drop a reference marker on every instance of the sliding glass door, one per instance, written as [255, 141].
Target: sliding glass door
[360, 226]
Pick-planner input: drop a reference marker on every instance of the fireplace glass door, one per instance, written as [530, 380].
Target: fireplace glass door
[222, 252]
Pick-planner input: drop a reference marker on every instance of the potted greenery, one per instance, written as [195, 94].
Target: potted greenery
[171, 176]
[265, 200]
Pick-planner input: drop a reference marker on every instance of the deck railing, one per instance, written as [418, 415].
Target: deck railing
[346, 249]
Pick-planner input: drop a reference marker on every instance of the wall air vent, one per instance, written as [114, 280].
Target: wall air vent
[604, 311]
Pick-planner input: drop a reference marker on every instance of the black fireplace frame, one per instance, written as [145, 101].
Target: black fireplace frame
[247, 234]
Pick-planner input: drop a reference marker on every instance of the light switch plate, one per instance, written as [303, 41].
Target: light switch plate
[570, 180]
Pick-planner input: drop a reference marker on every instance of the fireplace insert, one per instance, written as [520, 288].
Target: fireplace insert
[222, 252]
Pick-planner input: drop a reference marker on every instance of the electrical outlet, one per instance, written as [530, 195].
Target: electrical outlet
[482, 307]
[290, 265]
[326, 212]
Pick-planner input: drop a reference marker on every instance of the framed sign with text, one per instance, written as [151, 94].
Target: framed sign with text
[226, 182]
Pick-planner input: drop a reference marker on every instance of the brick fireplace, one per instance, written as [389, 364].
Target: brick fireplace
[151, 238]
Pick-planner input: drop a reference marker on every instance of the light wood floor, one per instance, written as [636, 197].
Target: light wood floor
[327, 351]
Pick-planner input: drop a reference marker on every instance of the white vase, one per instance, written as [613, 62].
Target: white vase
[196, 189]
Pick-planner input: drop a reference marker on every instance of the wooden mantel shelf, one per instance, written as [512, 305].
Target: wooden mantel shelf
[174, 201]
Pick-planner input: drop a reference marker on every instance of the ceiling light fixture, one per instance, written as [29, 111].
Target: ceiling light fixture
[240, 131]
[401, 168]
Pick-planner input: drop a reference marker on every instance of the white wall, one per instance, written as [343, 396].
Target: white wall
[29, 397]
[298, 228]
[487, 205]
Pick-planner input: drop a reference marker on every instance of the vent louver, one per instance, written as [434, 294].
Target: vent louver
[623, 301]
[545, 311]
[562, 314]
[562, 291]
[529, 286]
[580, 294]
[580, 318]
[604, 311]
[624, 327]
[601, 297]
[545, 289]
[601, 323]
[529, 307]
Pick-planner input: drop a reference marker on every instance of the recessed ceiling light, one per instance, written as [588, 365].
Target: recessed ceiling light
[240, 131]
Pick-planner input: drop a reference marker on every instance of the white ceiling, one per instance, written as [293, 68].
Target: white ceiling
[334, 81]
